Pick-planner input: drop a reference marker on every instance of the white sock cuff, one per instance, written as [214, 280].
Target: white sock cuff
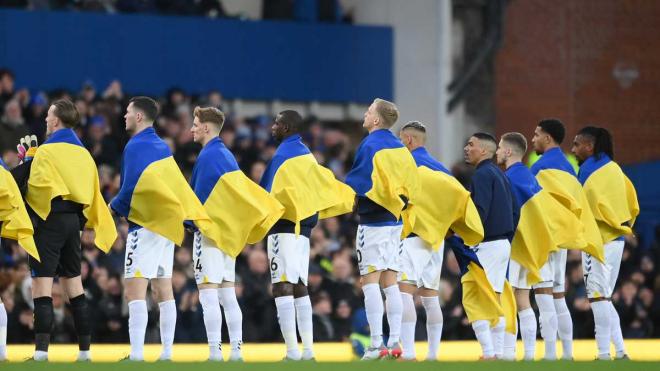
[284, 300]
[208, 296]
[166, 303]
[391, 290]
[137, 303]
[430, 301]
[545, 303]
[480, 325]
[303, 301]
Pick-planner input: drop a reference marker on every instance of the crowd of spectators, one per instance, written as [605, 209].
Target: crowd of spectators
[297, 10]
[333, 278]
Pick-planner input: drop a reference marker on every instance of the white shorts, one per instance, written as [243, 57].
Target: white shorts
[210, 264]
[553, 272]
[378, 248]
[420, 265]
[148, 255]
[600, 278]
[288, 258]
[494, 257]
[518, 275]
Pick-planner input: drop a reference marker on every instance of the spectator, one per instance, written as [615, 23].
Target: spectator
[12, 126]
[323, 326]
[6, 87]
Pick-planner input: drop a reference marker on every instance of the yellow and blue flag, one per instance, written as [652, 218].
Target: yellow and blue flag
[62, 167]
[556, 175]
[544, 224]
[154, 194]
[242, 211]
[510, 309]
[15, 221]
[435, 215]
[302, 186]
[383, 171]
[479, 298]
[611, 195]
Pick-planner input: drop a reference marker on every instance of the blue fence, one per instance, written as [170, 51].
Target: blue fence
[149, 54]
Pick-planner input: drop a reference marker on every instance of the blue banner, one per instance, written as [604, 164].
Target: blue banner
[261, 60]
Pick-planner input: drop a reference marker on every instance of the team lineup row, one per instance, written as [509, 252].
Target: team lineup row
[514, 228]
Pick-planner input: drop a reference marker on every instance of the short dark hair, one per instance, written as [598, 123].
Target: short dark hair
[415, 125]
[67, 112]
[485, 136]
[147, 105]
[601, 139]
[517, 141]
[292, 120]
[554, 128]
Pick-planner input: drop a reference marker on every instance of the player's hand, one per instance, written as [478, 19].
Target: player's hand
[27, 148]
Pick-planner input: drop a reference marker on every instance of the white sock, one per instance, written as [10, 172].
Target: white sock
[434, 321]
[137, 326]
[84, 355]
[615, 331]
[497, 333]
[482, 332]
[548, 320]
[40, 355]
[602, 327]
[373, 306]
[167, 327]
[528, 332]
[3, 332]
[565, 326]
[305, 327]
[212, 321]
[394, 310]
[509, 348]
[233, 318]
[408, 322]
[286, 315]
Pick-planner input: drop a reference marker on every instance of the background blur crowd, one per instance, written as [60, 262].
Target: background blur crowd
[333, 278]
[297, 10]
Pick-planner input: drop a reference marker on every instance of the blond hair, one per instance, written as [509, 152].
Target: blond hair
[387, 111]
[210, 114]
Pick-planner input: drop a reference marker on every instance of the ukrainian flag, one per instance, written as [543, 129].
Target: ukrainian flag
[302, 186]
[16, 223]
[479, 298]
[62, 167]
[154, 194]
[510, 309]
[556, 175]
[242, 211]
[544, 224]
[383, 171]
[436, 215]
[611, 195]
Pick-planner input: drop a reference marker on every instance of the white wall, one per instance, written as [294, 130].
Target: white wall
[422, 65]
